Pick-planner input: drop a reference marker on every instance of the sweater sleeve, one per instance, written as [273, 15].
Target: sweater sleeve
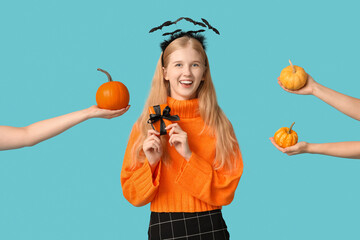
[214, 187]
[139, 185]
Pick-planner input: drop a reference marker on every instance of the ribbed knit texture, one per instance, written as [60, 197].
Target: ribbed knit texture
[180, 185]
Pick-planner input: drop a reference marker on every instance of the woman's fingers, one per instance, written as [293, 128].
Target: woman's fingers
[282, 86]
[171, 140]
[296, 149]
[124, 110]
[177, 138]
[172, 125]
[174, 128]
[152, 132]
[153, 138]
[292, 150]
[106, 113]
[152, 144]
[120, 112]
[152, 141]
[277, 146]
[156, 146]
[171, 132]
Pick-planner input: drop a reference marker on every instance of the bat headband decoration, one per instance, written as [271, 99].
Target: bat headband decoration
[169, 23]
[179, 33]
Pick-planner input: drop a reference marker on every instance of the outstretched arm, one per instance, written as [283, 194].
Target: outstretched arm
[14, 137]
[336, 149]
[344, 103]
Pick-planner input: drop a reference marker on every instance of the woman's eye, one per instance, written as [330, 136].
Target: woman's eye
[196, 65]
[178, 65]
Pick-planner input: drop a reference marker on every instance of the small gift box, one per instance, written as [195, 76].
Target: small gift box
[160, 118]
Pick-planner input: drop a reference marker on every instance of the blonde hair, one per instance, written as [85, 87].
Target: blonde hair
[210, 112]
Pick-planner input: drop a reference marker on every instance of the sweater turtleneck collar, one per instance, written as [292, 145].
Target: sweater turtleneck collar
[184, 108]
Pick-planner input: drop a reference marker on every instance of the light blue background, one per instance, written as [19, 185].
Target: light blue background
[69, 188]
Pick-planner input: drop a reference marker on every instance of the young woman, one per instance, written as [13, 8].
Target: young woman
[189, 174]
[17, 137]
[345, 104]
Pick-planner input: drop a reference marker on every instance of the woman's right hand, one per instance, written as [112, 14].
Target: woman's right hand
[308, 89]
[152, 148]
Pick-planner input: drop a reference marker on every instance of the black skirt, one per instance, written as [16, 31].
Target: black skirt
[208, 225]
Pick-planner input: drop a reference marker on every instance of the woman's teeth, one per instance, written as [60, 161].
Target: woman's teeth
[186, 82]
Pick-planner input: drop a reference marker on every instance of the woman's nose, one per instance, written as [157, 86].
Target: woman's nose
[187, 70]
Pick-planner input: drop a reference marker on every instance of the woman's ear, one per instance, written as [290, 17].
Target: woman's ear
[165, 74]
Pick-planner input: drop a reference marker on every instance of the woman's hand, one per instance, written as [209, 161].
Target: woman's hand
[298, 148]
[178, 139]
[308, 89]
[152, 148]
[96, 112]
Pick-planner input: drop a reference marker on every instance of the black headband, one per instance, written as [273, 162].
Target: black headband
[179, 34]
[189, 34]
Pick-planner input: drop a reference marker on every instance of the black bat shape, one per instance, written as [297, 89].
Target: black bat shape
[171, 33]
[165, 24]
[194, 32]
[215, 30]
[210, 27]
[194, 22]
[179, 19]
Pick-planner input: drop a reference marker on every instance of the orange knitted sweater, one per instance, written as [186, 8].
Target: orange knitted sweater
[180, 185]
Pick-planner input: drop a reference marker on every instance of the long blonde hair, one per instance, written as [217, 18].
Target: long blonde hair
[210, 112]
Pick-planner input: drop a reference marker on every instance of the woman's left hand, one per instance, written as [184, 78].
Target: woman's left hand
[179, 139]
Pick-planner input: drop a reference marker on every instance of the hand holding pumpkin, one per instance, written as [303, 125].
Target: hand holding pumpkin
[300, 147]
[96, 112]
[308, 89]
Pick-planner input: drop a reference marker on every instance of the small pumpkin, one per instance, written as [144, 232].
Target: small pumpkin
[112, 95]
[286, 137]
[293, 77]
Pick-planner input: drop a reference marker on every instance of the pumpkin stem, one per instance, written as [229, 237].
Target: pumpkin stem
[291, 127]
[294, 70]
[107, 74]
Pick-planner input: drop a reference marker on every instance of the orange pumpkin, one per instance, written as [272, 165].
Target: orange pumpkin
[112, 95]
[293, 77]
[285, 137]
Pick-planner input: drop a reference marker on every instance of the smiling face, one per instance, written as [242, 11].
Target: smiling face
[184, 71]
